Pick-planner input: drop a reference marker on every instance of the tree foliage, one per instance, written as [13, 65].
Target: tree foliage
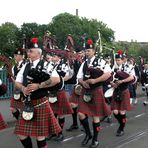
[81, 29]
[8, 38]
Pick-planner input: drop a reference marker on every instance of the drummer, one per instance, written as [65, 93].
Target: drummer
[121, 96]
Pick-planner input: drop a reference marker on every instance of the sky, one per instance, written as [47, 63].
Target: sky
[128, 18]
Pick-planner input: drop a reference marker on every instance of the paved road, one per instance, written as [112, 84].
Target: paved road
[136, 133]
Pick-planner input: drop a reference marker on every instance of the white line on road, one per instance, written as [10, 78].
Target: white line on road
[112, 124]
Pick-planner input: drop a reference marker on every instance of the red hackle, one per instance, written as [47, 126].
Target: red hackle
[90, 42]
[120, 51]
[34, 40]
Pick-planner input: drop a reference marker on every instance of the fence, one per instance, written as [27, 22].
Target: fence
[5, 80]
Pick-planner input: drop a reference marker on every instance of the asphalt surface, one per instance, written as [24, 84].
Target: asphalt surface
[136, 131]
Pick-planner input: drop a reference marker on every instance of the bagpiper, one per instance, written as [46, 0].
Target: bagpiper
[36, 118]
[144, 81]
[61, 106]
[92, 102]
[75, 96]
[16, 102]
[123, 75]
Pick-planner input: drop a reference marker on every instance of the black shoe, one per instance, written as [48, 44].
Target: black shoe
[103, 118]
[94, 144]
[85, 140]
[119, 133]
[72, 127]
[109, 119]
[50, 137]
[59, 138]
[145, 103]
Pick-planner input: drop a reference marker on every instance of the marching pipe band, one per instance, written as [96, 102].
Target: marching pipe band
[43, 86]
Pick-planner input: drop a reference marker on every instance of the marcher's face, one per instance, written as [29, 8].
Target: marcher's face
[90, 53]
[48, 58]
[119, 61]
[18, 57]
[124, 59]
[33, 53]
[146, 66]
[55, 59]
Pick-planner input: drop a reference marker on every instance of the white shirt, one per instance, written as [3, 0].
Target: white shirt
[101, 64]
[128, 69]
[18, 66]
[107, 68]
[19, 77]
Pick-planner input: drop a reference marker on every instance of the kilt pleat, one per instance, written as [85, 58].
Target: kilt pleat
[16, 103]
[43, 123]
[62, 106]
[74, 98]
[97, 106]
[124, 104]
[3, 125]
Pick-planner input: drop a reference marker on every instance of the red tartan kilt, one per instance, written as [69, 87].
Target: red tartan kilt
[43, 123]
[62, 106]
[124, 104]
[97, 106]
[3, 125]
[74, 98]
[16, 103]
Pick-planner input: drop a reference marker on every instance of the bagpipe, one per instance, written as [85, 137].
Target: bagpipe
[67, 53]
[34, 75]
[119, 75]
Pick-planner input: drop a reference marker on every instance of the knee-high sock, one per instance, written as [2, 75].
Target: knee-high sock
[74, 116]
[27, 143]
[117, 116]
[122, 121]
[85, 124]
[61, 122]
[42, 144]
[55, 115]
[96, 129]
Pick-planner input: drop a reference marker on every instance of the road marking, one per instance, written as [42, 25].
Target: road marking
[105, 127]
[130, 139]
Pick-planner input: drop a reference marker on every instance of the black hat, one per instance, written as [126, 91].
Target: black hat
[89, 44]
[125, 55]
[19, 51]
[33, 43]
[78, 49]
[119, 54]
[107, 56]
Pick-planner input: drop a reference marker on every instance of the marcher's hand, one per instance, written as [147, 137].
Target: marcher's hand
[85, 85]
[32, 87]
[25, 91]
[119, 82]
[13, 80]
[114, 85]
[90, 81]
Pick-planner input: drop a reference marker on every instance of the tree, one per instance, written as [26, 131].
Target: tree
[65, 23]
[8, 38]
